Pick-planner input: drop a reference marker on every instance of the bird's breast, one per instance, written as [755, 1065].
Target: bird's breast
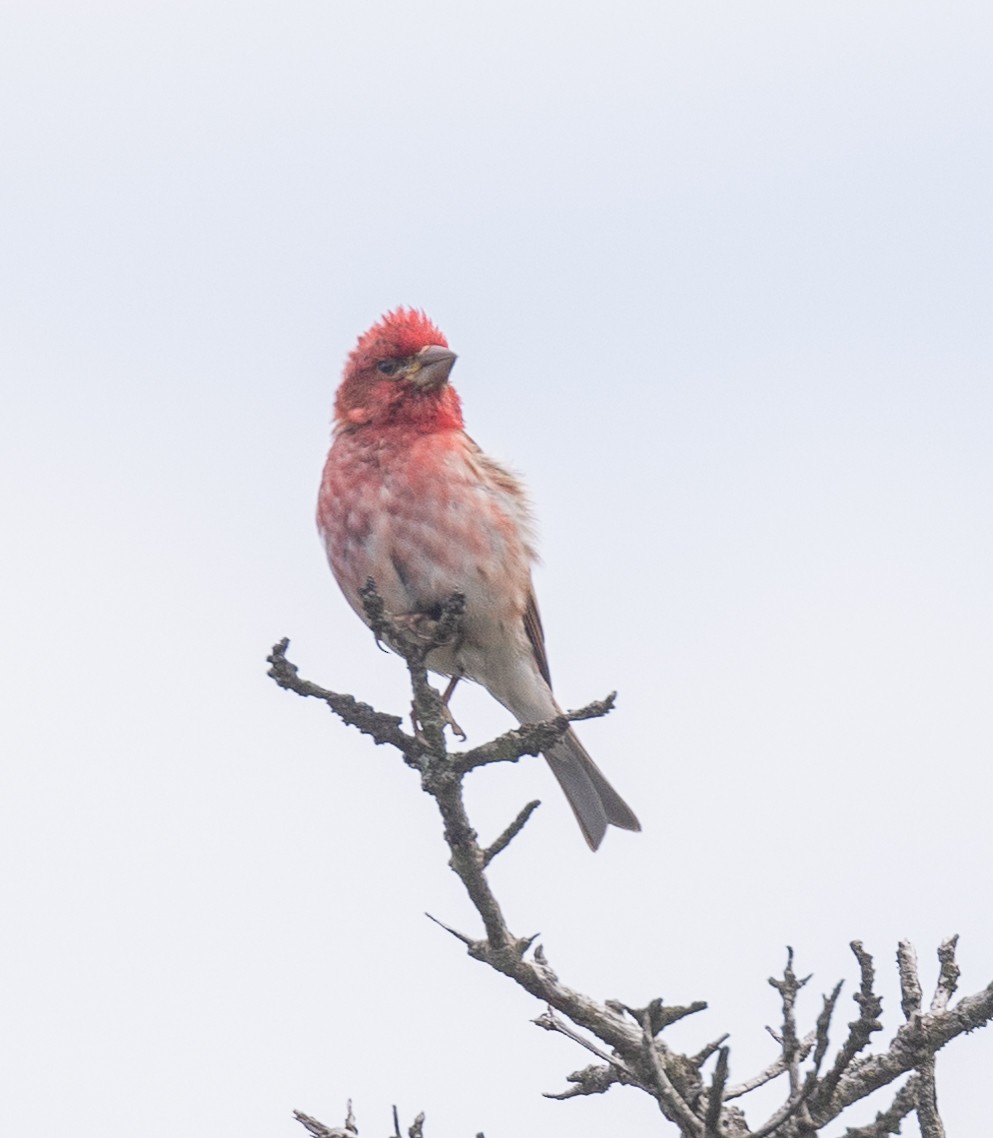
[424, 519]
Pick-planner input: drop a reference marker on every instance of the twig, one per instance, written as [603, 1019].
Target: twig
[773, 1071]
[705, 1053]
[319, 1130]
[789, 988]
[466, 940]
[550, 1022]
[888, 1121]
[510, 833]
[792, 1106]
[592, 1080]
[671, 1102]
[381, 727]
[910, 984]
[860, 1030]
[528, 739]
[948, 976]
[715, 1097]
[824, 1024]
[631, 1053]
[660, 1017]
[930, 1031]
[911, 999]
[927, 1102]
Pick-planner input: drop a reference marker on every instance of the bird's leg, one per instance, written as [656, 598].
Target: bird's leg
[446, 695]
[423, 625]
[449, 718]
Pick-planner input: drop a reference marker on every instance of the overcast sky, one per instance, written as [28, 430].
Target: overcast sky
[719, 277]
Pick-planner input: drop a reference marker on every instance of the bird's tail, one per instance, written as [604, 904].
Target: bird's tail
[593, 800]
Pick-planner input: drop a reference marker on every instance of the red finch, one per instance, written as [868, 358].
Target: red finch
[408, 499]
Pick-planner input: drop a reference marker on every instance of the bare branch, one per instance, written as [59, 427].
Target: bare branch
[860, 1031]
[631, 1052]
[381, 727]
[910, 983]
[466, 940]
[705, 1053]
[551, 1022]
[659, 1017]
[788, 989]
[888, 1121]
[782, 1115]
[671, 1102]
[773, 1071]
[510, 833]
[912, 996]
[927, 1102]
[528, 739]
[948, 976]
[824, 1024]
[925, 1034]
[592, 1080]
[319, 1130]
[715, 1096]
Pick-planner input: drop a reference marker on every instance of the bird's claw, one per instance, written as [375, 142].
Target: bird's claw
[449, 722]
[456, 729]
[422, 625]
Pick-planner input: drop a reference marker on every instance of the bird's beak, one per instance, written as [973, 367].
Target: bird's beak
[432, 366]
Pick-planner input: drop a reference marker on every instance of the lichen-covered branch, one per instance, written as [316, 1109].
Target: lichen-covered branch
[319, 1130]
[350, 1130]
[626, 1040]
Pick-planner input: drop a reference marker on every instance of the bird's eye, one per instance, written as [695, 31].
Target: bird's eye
[388, 367]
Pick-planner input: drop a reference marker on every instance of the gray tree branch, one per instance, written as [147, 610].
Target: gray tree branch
[627, 1040]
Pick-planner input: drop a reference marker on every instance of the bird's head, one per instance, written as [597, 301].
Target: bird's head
[398, 373]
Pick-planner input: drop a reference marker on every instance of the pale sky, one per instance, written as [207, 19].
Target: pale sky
[720, 279]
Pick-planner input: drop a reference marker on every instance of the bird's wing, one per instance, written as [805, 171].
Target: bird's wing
[515, 501]
[536, 634]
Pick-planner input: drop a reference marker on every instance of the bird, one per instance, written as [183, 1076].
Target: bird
[410, 501]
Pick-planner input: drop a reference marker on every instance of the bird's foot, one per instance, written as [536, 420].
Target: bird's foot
[450, 721]
[456, 729]
[446, 696]
[422, 625]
